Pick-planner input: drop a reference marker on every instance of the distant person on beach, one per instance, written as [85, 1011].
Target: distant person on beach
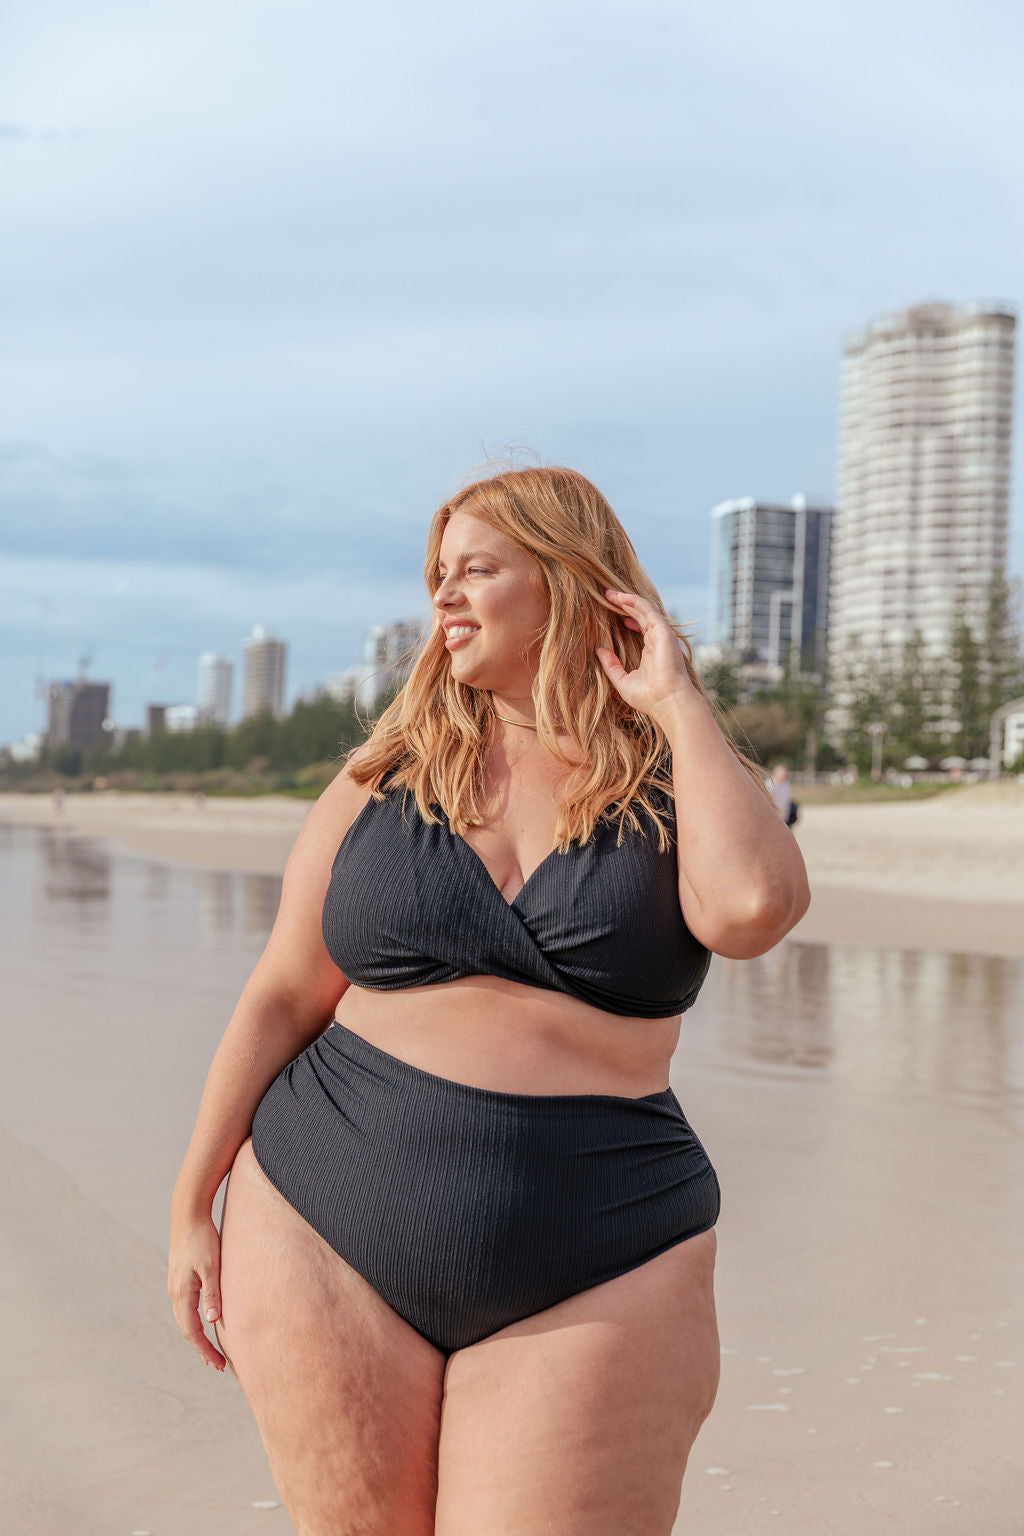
[465, 1267]
[781, 792]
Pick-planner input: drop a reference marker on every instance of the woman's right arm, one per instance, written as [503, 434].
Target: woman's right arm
[288, 1001]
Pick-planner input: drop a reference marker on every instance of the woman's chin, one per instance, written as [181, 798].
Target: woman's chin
[471, 676]
[480, 676]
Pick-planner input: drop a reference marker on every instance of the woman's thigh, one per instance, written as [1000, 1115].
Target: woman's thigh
[346, 1394]
[580, 1419]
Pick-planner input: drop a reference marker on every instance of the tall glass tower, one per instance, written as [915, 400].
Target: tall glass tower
[770, 582]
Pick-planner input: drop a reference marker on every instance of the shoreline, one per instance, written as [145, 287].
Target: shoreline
[942, 874]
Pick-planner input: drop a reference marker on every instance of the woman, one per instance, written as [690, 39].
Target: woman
[465, 1267]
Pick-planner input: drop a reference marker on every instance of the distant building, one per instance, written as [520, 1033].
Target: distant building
[388, 655]
[265, 659]
[770, 582]
[156, 719]
[343, 687]
[78, 713]
[387, 659]
[28, 749]
[922, 514]
[389, 652]
[181, 717]
[216, 674]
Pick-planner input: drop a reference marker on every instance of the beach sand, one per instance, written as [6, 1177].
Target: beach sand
[109, 1423]
[871, 1276]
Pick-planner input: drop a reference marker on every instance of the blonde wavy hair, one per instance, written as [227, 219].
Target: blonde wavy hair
[434, 737]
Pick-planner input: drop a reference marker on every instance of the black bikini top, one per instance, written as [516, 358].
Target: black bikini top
[411, 903]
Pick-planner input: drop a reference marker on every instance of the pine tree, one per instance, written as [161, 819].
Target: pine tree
[864, 688]
[964, 694]
[917, 692]
[1002, 645]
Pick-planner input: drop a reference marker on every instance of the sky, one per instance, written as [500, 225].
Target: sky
[276, 278]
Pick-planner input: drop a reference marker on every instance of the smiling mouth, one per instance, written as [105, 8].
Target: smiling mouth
[459, 634]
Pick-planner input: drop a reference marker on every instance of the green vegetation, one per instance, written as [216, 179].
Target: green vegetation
[904, 703]
[297, 755]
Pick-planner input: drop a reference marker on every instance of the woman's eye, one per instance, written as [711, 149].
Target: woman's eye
[477, 570]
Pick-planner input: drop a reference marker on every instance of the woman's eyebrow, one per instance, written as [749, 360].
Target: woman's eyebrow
[470, 554]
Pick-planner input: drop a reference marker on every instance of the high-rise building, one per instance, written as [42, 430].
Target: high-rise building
[344, 687]
[923, 506]
[388, 655]
[770, 582]
[265, 658]
[214, 693]
[180, 717]
[78, 712]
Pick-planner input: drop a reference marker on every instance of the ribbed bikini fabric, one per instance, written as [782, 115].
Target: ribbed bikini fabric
[468, 1209]
[410, 903]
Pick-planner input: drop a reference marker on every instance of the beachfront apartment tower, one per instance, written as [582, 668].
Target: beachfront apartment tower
[770, 582]
[923, 504]
[214, 694]
[388, 655]
[265, 658]
[78, 712]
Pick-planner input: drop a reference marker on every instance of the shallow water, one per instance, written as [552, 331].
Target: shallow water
[120, 972]
[911, 1024]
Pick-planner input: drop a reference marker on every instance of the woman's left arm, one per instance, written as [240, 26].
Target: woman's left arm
[742, 879]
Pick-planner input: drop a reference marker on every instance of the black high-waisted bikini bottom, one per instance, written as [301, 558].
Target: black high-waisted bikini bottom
[468, 1209]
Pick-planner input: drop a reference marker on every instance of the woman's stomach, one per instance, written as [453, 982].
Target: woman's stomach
[491, 1033]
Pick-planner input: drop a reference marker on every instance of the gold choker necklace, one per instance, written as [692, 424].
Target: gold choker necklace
[525, 723]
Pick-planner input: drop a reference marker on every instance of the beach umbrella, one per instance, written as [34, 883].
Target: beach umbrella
[916, 763]
[953, 762]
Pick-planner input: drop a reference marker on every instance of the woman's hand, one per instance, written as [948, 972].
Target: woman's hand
[194, 1274]
[661, 680]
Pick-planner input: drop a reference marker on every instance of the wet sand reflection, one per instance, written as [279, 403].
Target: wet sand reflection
[886, 1021]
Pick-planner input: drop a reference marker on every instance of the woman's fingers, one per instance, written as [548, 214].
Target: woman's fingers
[186, 1314]
[640, 610]
[611, 663]
[660, 675]
[209, 1274]
[193, 1282]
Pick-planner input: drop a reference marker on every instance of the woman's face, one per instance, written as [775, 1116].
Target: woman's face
[492, 605]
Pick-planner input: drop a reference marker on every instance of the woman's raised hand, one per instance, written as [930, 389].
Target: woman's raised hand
[661, 679]
[193, 1275]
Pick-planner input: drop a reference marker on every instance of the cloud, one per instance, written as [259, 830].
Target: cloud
[126, 615]
[294, 263]
[239, 517]
[20, 133]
